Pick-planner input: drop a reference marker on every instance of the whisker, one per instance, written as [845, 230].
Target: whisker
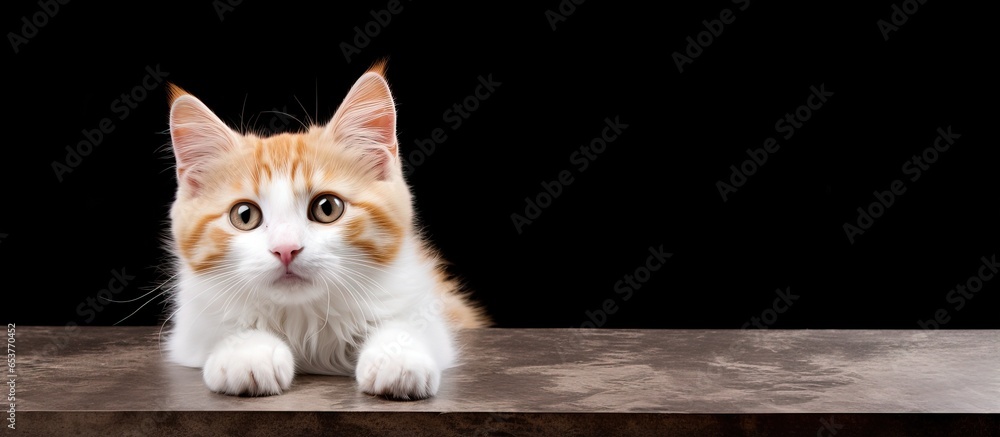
[363, 292]
[289, 116]
[371, 281]
[211, 288]
[142, 306]
[326, 317]
[343, 286]
[304, 110]
[146, 294]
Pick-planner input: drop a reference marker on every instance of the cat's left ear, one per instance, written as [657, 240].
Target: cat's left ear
[366, 120]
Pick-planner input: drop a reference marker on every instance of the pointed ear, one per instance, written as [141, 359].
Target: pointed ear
[366, 120]
[198, 136]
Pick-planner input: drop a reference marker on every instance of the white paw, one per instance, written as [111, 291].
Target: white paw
[253, 364]
[404, 374]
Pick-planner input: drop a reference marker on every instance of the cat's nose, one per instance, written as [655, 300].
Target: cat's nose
[286, 253]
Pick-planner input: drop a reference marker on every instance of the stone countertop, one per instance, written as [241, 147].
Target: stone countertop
[542, 381]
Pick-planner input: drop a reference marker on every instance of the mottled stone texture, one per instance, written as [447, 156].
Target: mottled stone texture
[114, 381]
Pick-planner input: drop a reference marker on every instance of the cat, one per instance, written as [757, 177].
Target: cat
[300, 253]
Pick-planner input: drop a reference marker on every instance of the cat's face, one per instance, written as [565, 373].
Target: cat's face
[291, 217]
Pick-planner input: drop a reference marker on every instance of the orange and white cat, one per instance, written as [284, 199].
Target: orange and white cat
[299, 253]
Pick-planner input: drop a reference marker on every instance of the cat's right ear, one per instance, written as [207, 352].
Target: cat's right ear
[198, 136]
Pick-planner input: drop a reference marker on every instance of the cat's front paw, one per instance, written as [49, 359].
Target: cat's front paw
[250, 364]
[405, 374]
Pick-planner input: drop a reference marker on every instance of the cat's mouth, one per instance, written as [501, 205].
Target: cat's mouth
[290, 278]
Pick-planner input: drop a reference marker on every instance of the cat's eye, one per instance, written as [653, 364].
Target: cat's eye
[245, 216]
[326, 208]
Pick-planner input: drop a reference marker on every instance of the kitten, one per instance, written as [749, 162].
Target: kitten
[299, 253]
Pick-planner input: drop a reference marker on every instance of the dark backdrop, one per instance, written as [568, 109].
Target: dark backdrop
[560, 71]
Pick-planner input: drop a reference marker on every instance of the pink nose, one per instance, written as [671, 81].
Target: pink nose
[286, 253]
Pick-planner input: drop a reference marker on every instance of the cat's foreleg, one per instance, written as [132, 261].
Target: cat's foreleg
[250, 362]
[404, 359]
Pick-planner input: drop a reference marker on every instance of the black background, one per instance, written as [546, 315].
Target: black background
[654, 185]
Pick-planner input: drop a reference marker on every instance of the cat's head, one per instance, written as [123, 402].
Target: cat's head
[290, 214]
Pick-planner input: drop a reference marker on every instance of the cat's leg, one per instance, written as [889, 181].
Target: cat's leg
[404, 360]
[191, 340]
[250, 362]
